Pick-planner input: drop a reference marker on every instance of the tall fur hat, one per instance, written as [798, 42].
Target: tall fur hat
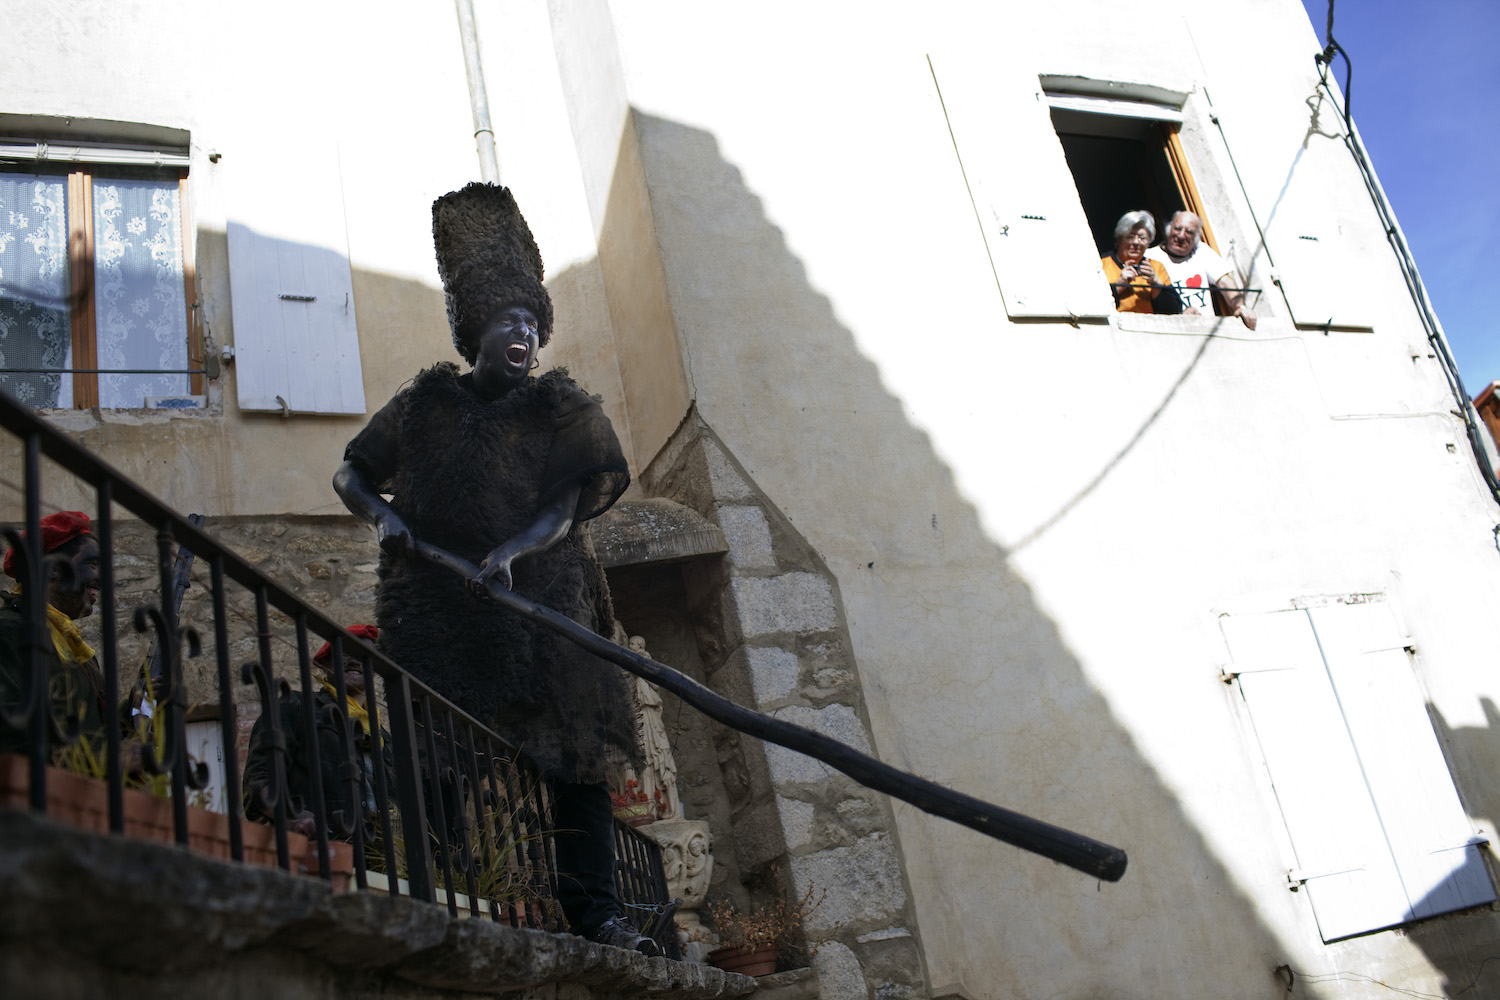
[487, 260]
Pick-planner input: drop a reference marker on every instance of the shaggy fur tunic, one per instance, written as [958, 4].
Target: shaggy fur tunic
[467, 474]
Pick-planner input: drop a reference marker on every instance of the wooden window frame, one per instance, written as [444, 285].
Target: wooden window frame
[83, 320]
[1183, 174]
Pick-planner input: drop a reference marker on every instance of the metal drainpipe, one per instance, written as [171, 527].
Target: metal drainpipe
[484, 136]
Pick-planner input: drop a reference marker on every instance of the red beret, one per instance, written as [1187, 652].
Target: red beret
[64, 526]
[369, 632]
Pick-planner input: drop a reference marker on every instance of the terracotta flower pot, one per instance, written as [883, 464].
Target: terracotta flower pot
[340, 861]
[84, 803]
[147, 817]
[71, 799]
[757, 961]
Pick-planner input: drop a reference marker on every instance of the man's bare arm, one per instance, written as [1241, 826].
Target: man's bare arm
[551, 524]
[354, 488]
[1235, 301]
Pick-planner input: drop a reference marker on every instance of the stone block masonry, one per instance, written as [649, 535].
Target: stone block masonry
[327, 561]
[771, 634]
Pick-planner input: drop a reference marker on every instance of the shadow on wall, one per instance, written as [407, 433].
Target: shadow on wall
[1467, 970]
[1049, 743]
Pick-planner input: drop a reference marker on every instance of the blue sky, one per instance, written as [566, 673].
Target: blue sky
[1426, 76]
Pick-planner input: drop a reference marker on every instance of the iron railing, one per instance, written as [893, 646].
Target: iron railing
[481, 809]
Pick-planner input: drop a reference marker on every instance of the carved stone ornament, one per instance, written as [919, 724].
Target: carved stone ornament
[685, 854]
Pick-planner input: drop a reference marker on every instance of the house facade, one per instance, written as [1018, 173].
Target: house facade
[1221, 597]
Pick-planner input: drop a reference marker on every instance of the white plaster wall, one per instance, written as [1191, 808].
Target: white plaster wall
[1035, 528]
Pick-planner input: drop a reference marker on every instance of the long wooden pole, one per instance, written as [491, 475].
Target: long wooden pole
[1062, 846]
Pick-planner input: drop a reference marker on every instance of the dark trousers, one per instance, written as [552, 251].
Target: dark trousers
[584, 820]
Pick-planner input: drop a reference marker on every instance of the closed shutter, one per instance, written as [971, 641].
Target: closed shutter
[1034, 227]
[1351, 879]
[1379, 834]
[1408, 777]
[295, 338]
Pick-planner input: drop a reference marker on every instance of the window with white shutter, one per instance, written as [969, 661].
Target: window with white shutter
[1379, 833]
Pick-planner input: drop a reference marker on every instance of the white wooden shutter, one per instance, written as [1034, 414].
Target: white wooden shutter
[1299, 187]
[1034, 226]
[1379, 835]
[1317, 268]
[295, 339]
[1341, 853]
[1425, 824]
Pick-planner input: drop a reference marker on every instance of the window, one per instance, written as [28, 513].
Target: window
[1124, 156]
[1378, 831]
[96, 288]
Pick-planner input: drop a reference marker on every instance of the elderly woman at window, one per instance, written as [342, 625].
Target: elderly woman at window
[1139, 285]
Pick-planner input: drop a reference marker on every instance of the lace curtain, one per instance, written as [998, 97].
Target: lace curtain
[140, 305]
[34, 328]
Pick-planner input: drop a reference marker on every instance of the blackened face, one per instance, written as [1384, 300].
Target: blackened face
[354, 677]
[73, 588]
[507, 349]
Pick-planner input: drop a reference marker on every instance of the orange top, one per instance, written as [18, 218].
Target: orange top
[1138, 296]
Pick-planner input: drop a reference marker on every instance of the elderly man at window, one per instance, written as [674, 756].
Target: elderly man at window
[1139, 285]
[1196, 270]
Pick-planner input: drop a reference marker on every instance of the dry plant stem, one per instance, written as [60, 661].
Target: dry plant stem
[767, 926]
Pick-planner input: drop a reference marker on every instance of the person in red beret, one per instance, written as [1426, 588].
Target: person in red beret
[71, 571]
[260, 765]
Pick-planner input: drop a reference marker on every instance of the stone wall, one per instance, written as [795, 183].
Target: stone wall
[770, 634]
[86, 915]
[329, 562]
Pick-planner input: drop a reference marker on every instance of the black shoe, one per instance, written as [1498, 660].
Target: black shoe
[661, 919]
[616, 933]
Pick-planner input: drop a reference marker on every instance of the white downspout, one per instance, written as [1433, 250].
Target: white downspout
[484, 136]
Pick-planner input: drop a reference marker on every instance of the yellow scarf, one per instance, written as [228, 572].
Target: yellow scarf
[356, 710]
[66, 638]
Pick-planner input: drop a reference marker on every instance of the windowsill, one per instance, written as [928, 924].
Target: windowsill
[73, 420]
[1266, 327]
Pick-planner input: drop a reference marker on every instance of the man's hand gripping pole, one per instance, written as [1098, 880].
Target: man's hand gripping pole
[1063, 846]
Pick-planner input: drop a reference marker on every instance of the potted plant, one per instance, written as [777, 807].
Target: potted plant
[752, 940]
[633, 806]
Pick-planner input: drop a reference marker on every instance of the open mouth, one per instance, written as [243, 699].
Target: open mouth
[515, 355]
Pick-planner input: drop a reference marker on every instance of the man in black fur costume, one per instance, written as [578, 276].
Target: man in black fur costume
[502, 469]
